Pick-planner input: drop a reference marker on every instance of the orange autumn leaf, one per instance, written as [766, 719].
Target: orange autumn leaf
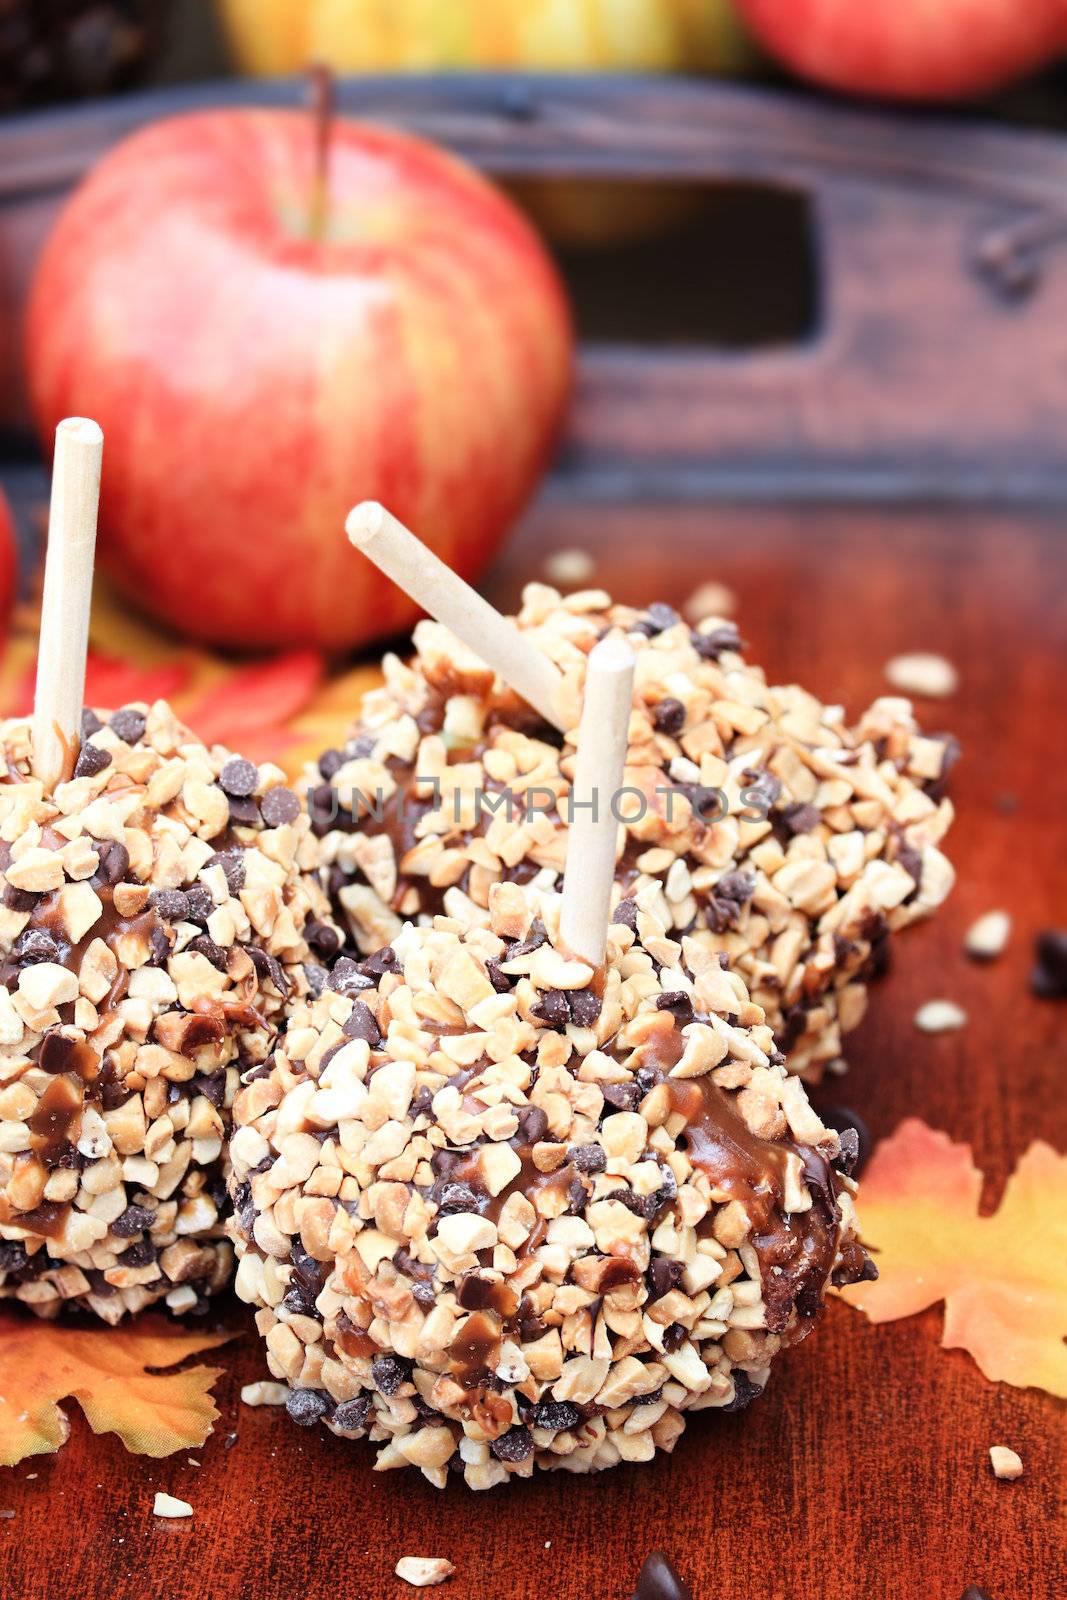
[256, 698]
[106, 1371]
[1002, 1277]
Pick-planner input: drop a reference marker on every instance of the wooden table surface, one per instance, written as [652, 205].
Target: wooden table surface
[863, 1471]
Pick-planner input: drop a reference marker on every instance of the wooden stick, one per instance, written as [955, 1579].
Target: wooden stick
[437, 589]
[68, 590]
[602, 739]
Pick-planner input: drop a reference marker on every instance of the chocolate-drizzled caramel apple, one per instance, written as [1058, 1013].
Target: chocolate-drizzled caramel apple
[157, 915]
[498, 1208]
[757, 819]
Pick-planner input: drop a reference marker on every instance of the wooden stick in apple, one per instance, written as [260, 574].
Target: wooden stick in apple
[68, 587]
[594, 828]
[436, 588]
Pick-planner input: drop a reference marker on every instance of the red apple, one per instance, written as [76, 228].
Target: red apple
[256, 372]
[911, 49]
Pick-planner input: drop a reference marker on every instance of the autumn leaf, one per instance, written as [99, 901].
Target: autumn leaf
[107, 1371]
[255, 699]
[1002, 1277]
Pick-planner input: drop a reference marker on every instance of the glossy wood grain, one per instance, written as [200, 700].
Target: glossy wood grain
[863, 1471]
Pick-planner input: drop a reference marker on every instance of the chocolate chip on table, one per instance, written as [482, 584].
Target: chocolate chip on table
[279, 806]
[307, 1406]
[362, 1025]
[114, 862]
[854, 1134]
[658, 1580]
[128, 724]
[668, 716]
[238, 777]
[972, 1592]
[1049, 977]
[91, 760]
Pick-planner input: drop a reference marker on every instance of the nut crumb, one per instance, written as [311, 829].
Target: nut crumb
[924, 674]
[568, 567]
[988, 935]
[264, 1393]
[165, 1505]
[423, 1571]
[940, 1016]
[710, 600]
[1005, 1462]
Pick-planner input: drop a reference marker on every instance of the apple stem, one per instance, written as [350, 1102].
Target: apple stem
[321, 104]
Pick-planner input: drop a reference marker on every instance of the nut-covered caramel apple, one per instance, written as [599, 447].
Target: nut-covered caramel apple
[157, 915]
[498, 1208]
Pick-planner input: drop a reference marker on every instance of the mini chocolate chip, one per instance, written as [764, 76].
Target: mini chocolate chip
[128, 724]
[710, 645]
[244, 811]
[362, 1025]
[134, 1220]
[674, 1336]
[668, 716]
[588, 1157]
[1049, 976]
[658, 1580]
[799, 817]
[141, 1254]
[552, 1009]
[279, 806]
[533, 941]
[745, 1391]
[91, 760]
[664, 1274]
[212, 1087]
[389, 1373]
[500, 980]
[268, 968]
[623, 1096]
[515, 1445]
[307, 1406]
[533, 1125]
[200, 902]
[90, 724]
[422, 1104]
[352, 1415]
[315, 976]
[159, 945]
[19, 899]
[12, 1256]
[626, 914]
[584, 1006]
[555, 1416]
[347, 978]
[238, 777]
[323, 939]
[36, 944]
[381, 962]
[229, 1441]
[330, 762]
[679, 1003]
[972, 1592]
[212, 952]
[661, 616]
[114, 862]
[854, 1133]
[171, 904]
[232, 863]
[454, 1197]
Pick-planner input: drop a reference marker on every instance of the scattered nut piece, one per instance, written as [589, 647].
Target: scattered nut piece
[940, 1016]
[165, 1505]
[264, 1393]
[924, 674]
[423, 1571]
[1006, 1464]
[710, 600]
[569, 567]
[988, 935]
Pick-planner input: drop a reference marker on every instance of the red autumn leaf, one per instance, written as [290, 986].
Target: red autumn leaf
[107, 1371]
[1002, 1277]
[255, 698]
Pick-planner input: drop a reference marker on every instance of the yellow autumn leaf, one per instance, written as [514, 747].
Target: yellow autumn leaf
[1002, 1277]
[107, 1371]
